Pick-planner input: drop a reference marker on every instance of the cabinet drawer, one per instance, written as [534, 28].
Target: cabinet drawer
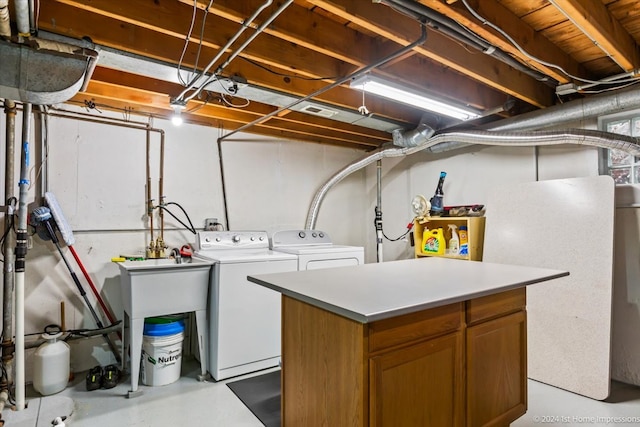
[491, 306]
[415, 326]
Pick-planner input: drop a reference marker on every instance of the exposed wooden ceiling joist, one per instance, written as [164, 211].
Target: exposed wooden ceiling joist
[312, 43]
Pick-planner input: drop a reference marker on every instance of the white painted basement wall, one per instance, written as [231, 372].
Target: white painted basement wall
[97, 173]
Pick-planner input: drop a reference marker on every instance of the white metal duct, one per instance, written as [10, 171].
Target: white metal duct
[44, 72]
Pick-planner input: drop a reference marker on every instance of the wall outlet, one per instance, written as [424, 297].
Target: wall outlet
[210, 224]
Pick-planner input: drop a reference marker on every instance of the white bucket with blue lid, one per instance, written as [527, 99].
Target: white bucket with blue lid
[161, 352]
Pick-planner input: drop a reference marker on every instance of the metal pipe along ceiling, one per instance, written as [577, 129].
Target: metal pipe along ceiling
[573, 136]
[194, 81]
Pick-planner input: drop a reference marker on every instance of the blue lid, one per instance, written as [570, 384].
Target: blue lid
[163, 329]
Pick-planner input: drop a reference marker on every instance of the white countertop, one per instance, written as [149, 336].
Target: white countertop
[371, 292]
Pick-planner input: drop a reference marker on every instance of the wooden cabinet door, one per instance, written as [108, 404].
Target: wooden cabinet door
[497, 371]
[420, 385]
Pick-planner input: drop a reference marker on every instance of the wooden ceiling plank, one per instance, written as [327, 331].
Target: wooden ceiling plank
[530, 41]
[149, 24]
[542, 18]
[297, 25]
[593, 18]
[522, 8]
[402, 30]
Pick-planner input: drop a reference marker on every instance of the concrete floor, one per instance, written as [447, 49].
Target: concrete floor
[188, 402]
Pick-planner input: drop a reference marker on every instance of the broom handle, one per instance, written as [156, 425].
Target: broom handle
[93, 287]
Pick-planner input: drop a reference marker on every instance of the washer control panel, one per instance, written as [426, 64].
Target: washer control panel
[209, 240]
[299, 238]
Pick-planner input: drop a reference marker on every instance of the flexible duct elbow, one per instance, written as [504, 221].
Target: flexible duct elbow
[412, 138]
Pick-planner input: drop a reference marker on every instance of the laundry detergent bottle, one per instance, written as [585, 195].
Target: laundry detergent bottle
[433, 242]
[464, 241]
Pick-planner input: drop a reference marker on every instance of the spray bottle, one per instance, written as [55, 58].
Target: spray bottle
[454, 242]
[437, 203]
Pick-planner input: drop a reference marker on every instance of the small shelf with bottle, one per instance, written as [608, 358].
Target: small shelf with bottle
[474, 228]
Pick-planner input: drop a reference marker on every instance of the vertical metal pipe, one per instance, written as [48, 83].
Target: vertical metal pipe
[9, 243]
[161, 185]
[224, 186]
[378, 220]
[149, 200]
[32, 17]
[21, 252]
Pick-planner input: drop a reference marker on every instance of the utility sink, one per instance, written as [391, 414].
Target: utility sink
[162, 285]
[157, 287]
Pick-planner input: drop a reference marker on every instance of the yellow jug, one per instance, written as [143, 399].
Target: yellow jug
[433, 242]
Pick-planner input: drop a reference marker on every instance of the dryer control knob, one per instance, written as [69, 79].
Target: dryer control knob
[302, 234]
[235, 239]
[217, 239]
[253, 238]
[261, 238]
[321, 234]
[314, 234]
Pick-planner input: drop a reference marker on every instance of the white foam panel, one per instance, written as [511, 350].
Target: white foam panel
[564, 224]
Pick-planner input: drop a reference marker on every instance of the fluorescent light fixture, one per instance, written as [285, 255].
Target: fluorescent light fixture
[398, 93]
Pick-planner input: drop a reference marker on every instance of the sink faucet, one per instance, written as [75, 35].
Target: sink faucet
[175, 253]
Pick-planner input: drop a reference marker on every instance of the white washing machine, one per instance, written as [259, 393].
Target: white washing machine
[244, 318]
[314, 249]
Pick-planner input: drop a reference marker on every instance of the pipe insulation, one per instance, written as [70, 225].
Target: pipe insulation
[21, 253]
[593, 138]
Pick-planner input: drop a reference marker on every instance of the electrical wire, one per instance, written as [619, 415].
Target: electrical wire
[608, 89]
[375, 224]
[534, 58]
[12, 201]
[224, 90]
[46, 151]
[201, 39]
[186, 42]
[409, 228]
[223, 98]
[189, 227]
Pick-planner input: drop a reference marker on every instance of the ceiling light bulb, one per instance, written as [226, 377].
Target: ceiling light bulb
[176, 118]
[177, 106]
[408, 96]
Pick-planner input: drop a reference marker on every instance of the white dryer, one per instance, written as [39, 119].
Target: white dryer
[314, 249]
[244, 318]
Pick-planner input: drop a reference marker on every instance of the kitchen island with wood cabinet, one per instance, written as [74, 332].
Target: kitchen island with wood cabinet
[421, 342]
